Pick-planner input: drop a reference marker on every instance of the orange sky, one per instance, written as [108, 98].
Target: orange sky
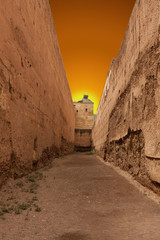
[90, 33]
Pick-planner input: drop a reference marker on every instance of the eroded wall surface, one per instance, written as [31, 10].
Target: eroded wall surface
[127, 127]
[83, 140]
[36, 111]
[84, 120]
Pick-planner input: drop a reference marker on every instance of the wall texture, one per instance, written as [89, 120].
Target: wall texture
[84, 120]
[36, 111]
[84, 117]
[127, 127]
[83, 140]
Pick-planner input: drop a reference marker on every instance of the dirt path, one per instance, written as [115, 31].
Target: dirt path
[76, 198]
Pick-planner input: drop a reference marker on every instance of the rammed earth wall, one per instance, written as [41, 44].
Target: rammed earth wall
[36, 110]
[127, 128]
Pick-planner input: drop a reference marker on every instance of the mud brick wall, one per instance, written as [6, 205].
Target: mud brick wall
[127, 127]
[36, 111]
[84, 117]
[83, 139]
[84, 120]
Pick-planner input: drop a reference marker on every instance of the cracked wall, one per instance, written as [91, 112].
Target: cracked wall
[131, 98]
[36, 111]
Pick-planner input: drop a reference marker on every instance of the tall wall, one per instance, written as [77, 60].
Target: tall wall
[127, 127]
[36, 111]
[84, 120]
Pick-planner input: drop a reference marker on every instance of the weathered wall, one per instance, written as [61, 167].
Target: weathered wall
[36, 109]
[84, 118]
[127, 127]
[82, 139]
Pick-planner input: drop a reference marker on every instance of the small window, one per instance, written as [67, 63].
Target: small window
[86, 109]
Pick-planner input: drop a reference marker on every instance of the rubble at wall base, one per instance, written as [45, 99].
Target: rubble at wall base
[128, 154]
[82, 149]
[17, 168]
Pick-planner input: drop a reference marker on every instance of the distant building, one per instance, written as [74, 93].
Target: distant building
[84, 122]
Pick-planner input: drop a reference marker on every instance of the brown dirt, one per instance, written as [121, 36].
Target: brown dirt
[76, 198]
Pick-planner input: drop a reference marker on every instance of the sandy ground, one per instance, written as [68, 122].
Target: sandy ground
[78, 197]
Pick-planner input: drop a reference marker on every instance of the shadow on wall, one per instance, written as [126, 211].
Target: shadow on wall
[83, 140]
[128, 154]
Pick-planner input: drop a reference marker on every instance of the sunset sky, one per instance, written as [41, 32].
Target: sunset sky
[90, 33]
